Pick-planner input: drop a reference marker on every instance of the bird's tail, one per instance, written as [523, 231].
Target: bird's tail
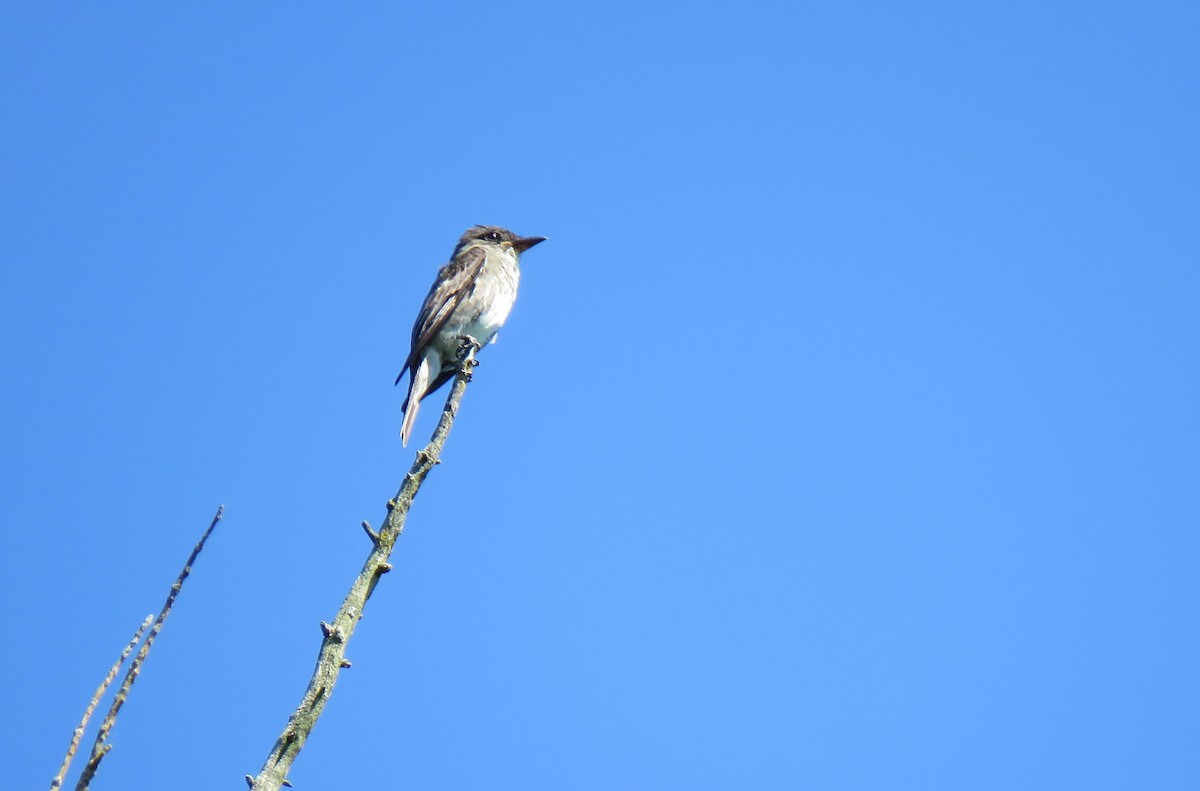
[416, 391]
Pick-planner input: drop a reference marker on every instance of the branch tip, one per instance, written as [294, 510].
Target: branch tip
[330, 659]
[101, 747]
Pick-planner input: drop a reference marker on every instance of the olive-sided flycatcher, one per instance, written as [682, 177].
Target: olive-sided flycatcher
[472, 297]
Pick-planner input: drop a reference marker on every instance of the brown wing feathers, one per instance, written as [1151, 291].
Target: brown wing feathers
[453, 283]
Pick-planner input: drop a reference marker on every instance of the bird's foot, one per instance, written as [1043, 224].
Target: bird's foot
[466, 341]
[466, 360]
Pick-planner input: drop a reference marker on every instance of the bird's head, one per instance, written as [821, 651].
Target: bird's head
[501, 237]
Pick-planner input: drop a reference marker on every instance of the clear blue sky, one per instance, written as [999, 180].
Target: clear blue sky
[844, 434]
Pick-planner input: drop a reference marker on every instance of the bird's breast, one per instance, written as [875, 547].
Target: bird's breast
[486, 308]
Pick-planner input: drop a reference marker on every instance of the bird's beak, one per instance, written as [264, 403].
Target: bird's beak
[524, 243]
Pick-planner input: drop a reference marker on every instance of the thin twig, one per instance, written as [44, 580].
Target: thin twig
[77, 736]
[100, 748]
[332, 656]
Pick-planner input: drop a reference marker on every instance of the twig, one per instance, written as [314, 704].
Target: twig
[77, 736]
[332, 656]
[100, 748]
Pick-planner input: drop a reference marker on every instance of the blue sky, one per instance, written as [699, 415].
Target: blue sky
[844, 434]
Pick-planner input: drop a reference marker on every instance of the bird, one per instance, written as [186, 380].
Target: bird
[470, 299]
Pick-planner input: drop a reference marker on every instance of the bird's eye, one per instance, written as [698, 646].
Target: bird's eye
[494, 236]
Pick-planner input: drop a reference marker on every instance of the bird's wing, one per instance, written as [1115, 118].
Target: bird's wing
[454, 282]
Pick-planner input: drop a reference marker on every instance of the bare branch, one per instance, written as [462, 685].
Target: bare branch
[77, 736]
[331, 657]
[100, 748]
